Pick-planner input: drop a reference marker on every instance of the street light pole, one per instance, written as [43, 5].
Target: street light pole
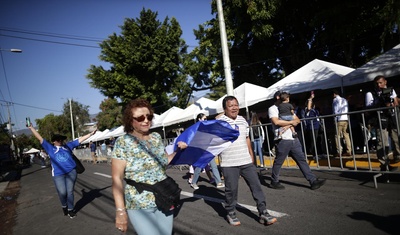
[72, 120]
[225, 50]
[12, 146]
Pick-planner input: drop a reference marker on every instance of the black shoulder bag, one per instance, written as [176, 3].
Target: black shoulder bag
[79, 166]
[166, 192]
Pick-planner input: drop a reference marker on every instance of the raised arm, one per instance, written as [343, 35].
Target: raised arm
[36, 134]
[83, 138]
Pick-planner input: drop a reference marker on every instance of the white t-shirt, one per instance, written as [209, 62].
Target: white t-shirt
[238, 153]
[274, 112]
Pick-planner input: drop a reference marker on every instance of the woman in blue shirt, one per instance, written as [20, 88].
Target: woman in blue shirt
[63, 167]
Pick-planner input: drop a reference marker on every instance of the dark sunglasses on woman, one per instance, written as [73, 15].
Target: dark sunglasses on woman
[141, 118]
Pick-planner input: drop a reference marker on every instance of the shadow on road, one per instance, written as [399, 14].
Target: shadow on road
[88, 197]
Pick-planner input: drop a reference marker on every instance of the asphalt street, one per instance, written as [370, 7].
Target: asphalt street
[347, 204]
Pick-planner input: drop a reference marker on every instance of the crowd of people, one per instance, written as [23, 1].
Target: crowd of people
[140, 155]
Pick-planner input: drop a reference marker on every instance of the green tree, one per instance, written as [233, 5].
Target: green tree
[269, 39]
[145, 61]
[110, 115]
[61, 124]
[80, 115]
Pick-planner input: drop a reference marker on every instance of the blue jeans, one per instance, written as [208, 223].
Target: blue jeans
[294, 148]
[257, 146]
[214, 169]
[151, 221]
[249, 173]
[65, 188]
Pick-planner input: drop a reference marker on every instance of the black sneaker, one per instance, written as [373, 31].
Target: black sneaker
[65, 210]
[266, 218]
[317, 184]
[276, 185]
[71, 214]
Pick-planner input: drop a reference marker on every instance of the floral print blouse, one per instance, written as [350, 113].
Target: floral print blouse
[146, 162]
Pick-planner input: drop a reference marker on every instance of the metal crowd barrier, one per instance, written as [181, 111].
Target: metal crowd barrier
[363, 157]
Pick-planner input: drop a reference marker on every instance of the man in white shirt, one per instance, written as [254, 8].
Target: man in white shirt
[341, 106]
[238, 160]
[288, 145]
[382, 96]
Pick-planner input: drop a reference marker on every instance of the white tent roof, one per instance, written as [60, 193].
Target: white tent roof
[315, 75]
[247, 94]
[202, 105]
[101, 137]
[93, 137]
[32, 150]
[167, 118]
[387, 64]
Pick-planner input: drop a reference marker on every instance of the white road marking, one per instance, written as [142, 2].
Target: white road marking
[101, 174]
[216, 200]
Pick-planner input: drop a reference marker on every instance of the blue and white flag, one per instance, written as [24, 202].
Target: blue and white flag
[205, 140]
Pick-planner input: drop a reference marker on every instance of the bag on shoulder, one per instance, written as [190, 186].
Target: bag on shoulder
[166, 192]
[79, 166]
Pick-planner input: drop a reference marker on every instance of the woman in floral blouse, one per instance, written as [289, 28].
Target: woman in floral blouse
[139, 155]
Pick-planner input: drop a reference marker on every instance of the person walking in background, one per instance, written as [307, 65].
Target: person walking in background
[258, 135]
[212, 166]
[341, 108]
[63, 167]
[238, 160]
[93, 152]
[380, 97]
[139, 155]
[286, 112]
[312, 126]
[288, 145]
[43, 158]
[103, 149]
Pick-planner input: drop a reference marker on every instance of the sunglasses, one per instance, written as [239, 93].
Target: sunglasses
[141, 118]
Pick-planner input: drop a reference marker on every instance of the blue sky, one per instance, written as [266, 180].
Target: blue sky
[45, 75]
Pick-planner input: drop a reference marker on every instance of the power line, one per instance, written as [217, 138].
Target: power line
[30, 106]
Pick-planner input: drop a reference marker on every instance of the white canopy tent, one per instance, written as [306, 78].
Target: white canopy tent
[202, 105]
[316, 75]
[387, 64]
[32, 150]
[247, 94]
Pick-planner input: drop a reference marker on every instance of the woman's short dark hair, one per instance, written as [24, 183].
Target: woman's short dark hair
[226, 99]
[200, 116]
[127, 116]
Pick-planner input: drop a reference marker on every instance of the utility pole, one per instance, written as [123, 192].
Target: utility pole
[72, 120]
[225, 50]
[9, 127]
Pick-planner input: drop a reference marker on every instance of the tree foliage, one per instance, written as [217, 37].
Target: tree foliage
[61, 124]
[271, 38]
[145, 61]
[110, 115]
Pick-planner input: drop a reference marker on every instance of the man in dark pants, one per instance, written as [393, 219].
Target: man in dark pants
[238, 160]
[288, 145]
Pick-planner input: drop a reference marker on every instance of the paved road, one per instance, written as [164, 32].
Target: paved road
[347, 204]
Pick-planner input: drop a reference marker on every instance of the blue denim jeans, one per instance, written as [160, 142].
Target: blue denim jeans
[151, 221]
[214, 169]
[257, 146]
[65, 188]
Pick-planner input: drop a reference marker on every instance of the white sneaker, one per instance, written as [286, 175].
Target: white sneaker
[194, 186]
[189, 180]
[220, 185]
